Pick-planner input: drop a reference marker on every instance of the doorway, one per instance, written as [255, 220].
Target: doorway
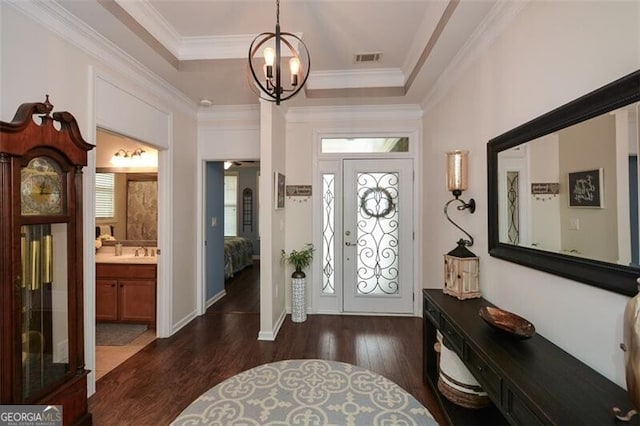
[367, 236]
[232, 245]
[126, 217]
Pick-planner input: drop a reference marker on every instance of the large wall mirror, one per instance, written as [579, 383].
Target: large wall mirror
[563, 189]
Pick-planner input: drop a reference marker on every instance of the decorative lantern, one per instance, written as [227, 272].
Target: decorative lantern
[461, 273]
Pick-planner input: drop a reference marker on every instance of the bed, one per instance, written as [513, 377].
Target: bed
[238, 254]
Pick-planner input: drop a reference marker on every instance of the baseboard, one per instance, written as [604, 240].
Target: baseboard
[184, 321]
[215, 298]
[271, 335]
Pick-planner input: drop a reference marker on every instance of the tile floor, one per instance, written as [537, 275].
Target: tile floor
[109, 357]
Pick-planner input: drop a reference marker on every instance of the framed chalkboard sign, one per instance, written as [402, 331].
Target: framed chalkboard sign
[586, 189]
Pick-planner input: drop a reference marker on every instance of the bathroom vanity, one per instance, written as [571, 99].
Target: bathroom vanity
[126, 289]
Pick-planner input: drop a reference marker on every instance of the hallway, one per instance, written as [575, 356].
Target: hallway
[157, 383]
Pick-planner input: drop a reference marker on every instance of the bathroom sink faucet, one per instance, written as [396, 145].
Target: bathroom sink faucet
[146, 251]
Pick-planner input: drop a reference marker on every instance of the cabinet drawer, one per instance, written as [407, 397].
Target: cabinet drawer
[489, 379]
[431, 312]
[118, 270]
[520, 412]
[452, 337]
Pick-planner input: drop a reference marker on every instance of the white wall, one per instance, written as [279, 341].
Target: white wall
[272, 222]
[552, 53]
[36, 61]
[545, 209]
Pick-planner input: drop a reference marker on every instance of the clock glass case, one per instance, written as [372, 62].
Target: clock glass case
[41, 188]
[44, 313]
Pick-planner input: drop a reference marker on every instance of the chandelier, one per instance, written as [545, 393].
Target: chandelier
[271, 88]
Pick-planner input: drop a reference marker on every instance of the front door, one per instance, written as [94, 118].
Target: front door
[377, 236]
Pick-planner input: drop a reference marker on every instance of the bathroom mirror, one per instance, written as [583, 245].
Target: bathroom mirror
[135, 207]
[563, 189]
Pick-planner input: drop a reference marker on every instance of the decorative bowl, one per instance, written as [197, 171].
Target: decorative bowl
[507, 322]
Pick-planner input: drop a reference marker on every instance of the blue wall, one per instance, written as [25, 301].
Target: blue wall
[214, 238]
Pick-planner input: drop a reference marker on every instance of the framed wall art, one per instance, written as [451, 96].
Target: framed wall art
[586, 189]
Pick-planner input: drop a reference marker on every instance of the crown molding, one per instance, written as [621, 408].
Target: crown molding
[217, 47]
[187, 48]
[149, 18]
[352, 113]
[222, 47]
[494, 24]
[366, 78]
[58, 20]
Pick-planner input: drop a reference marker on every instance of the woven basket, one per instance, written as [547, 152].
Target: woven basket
[456, 382]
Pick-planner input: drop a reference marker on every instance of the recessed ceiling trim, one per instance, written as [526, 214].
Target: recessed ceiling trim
[132, 23]
[221, 47]
[348, 79]
[355, 92]
[437, 32]
[423, 34]
[491, 27]
[152, 21]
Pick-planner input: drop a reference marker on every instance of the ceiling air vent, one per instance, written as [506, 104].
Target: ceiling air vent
[368, 57]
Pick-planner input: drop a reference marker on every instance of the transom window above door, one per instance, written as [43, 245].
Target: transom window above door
[364, 145]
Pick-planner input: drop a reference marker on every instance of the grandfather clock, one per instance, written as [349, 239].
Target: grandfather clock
[41, 301]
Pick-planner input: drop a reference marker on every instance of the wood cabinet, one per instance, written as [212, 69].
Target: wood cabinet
[531, 382]
[126, 293]
[41, 299]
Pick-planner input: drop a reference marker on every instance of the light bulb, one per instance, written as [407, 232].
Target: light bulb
[269, 56]
[294, 66]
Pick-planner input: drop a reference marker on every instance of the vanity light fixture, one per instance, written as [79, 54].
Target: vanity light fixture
[136, 158]
[457, 181]
[271, 88]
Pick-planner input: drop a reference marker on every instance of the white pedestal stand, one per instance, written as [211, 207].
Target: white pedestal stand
[298, 302]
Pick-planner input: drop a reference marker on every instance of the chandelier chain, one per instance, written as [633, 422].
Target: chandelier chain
[278, 12]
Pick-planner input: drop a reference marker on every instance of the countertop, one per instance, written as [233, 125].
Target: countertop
[107, 255]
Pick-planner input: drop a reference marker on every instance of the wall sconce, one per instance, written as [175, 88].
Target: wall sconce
[461, 266]
[227, 165]
[457, 180]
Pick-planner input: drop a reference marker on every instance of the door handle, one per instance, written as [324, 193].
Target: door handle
[349, 244]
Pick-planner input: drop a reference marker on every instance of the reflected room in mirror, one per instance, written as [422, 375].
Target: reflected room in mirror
[563, 189]
[126, 188]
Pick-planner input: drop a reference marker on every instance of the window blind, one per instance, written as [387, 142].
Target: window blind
[105, 195]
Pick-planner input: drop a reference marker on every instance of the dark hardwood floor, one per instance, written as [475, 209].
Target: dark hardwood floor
[243, 293]
[157, 383]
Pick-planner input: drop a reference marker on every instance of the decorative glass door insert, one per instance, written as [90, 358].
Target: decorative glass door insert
[378, 236]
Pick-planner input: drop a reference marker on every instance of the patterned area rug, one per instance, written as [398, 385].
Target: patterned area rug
[306, 392]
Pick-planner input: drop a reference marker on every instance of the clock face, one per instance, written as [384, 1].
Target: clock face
[41, 188]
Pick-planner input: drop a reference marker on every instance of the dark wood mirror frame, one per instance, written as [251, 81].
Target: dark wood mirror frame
[609, 276]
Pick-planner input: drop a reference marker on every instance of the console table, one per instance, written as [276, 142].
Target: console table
[531, 382]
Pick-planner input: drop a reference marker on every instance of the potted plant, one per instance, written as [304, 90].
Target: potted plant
[299, 260]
